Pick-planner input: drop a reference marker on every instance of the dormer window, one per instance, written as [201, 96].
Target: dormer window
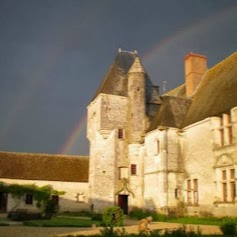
[226, 134]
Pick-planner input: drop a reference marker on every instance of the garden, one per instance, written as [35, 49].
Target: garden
[109, 220]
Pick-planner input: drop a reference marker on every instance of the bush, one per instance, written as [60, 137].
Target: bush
[97, 217]
[113, 216]
[228, 227]
[51, 209]
[21, 215]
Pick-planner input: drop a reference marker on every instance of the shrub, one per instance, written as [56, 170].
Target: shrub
[51, 208]
[96, 217]
[21, 215]
[228, 227]
[113, 216]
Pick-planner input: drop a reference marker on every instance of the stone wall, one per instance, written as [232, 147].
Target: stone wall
[74, 199]
[107, 151]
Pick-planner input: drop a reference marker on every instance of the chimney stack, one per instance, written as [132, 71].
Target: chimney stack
[195, 68]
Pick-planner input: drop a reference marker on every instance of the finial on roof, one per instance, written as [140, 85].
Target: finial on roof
[164, 86]
[120, 50]
[135, 51]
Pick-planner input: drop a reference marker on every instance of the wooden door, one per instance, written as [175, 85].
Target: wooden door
[123, 203]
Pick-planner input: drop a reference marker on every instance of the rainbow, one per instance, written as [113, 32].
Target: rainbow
[168, 43]
[197, 30]
[70, 143]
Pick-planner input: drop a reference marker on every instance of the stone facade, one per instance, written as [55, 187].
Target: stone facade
[74, 199]
[148, 155]
[171, 153]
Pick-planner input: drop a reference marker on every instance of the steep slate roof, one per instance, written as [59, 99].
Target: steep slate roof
[35, 166]
[217, 92]
[116, 81]
[171, 113]
[179, 91]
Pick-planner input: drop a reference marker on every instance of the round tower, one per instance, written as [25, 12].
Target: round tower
[137, 99]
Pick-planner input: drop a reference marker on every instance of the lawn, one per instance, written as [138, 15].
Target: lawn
[197, 221]
[63, 222]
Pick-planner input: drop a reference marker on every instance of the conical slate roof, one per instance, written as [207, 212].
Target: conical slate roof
[116, 80]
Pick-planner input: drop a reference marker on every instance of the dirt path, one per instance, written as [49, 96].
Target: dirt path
[24, 231]
[205, 229]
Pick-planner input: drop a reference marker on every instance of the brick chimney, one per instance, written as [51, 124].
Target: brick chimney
[195, 68]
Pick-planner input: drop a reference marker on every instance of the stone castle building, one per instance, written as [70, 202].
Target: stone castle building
[148, 150]
[156, 151]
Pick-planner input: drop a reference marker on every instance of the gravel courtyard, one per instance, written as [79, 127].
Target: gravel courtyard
[24, 231]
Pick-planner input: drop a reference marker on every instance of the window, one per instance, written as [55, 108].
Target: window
[232, 173]
[223, 174]
[55, 199]
[189, 197]
[157, 147]
[232, 191]
[232, 185]
[195, 191]
[229, 129]
[192, 192]
[224, 192]
[29, 199]
[221, 132]
[228, 185]
[176, 193]
[133, 169]
[226, 133]
[120, 133]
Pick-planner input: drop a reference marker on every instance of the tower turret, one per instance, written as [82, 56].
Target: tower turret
[137, 97]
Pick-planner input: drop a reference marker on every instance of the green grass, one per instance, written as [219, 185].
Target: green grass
[62, 222]
[196, 221]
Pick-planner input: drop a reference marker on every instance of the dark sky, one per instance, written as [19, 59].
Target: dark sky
[54, 55]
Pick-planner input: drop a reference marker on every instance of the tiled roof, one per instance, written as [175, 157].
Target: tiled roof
[49, 167]
[217, 92]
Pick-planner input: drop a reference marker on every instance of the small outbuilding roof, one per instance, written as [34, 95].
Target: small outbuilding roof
[48, 167]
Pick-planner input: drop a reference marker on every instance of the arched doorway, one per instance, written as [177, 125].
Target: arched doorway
[123, 203]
